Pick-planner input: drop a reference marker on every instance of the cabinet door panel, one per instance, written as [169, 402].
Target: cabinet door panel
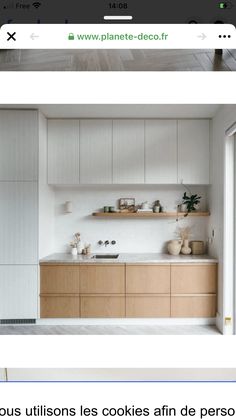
[102, 306]
[63, 152]
[193, 152]
[18, 292]
[102, 279]
[59, 279]
[147, 306]
[161, 151]
[18, 223]
[18, 145]
[96, 151]
[128, 151]
[59, 306]
[193, 279]
[144, 279]
[193, 306]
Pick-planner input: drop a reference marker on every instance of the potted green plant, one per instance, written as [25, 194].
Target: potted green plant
[191, 201]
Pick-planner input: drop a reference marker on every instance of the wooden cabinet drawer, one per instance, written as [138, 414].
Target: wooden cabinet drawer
[147, 306]
[148, 279]
[58, 279]
[102, 279]
[59, 306]
[193, 306]
[193, 279]
[103, 306]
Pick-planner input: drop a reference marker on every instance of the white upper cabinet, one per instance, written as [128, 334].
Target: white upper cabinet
[193, 151]
[161, 151]
[19, 223]
[128, 151]
[95, 151]
[18, 145]
[63, 151]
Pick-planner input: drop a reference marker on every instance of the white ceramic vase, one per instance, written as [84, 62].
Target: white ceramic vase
[185, 249]
[174, 247]
[74, 251]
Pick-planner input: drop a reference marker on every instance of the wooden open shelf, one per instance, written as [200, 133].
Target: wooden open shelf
[150, 214]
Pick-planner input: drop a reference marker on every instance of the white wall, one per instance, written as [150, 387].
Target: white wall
[131, 235]
[222, 120]
[46, 195]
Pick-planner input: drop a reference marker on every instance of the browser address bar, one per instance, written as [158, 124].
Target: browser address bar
[117, 36]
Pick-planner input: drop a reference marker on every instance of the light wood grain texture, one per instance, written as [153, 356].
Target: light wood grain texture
[102, 279]
[150, 214]
[95, 151]
[161, 151]
[63, 151]
[18, 145]
[59, 306]
[117, 60]
[128, 151]
[193, 151]
[193, 279]
[103, 306]
[193, 306]
[147, 306]
[59, 279]
[19, 223]
[18, 292]
[147, 279]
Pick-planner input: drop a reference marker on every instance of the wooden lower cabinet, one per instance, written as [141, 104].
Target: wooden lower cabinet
[194, 279]
[193, 306]
[148, 279]
[147, 306]
[105, 291]
[59, 306]
[102, 306]
[102, 279]
[59, 279]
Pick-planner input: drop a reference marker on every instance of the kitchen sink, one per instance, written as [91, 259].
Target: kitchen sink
[105, 256]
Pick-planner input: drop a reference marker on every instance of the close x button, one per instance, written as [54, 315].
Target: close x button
[11, 36]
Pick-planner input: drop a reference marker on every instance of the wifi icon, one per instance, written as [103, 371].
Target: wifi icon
[36, 4]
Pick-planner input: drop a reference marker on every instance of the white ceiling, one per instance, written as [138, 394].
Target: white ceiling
[123, 111]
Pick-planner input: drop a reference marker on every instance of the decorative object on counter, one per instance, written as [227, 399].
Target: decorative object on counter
[106, 209]
[87, 249]
[185, 249]
[198, 247]
[68, 207]
[74, 251]
[75, 243]
[145, 206]
[157, 206]
[184, 234]
[174, 247]
[112, 209]
[127, 205]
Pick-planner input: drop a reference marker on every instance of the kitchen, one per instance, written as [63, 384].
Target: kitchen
[113, 218]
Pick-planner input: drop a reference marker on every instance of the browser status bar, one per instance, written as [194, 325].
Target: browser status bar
[117, 36]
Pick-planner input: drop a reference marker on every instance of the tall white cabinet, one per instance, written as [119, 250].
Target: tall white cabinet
[128, 151]
[18, 214]
[193, 151]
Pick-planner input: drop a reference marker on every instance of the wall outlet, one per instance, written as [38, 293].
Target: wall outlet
[228, 321]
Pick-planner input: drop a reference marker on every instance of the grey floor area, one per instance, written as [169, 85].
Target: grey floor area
[108, 330]
[117, 60]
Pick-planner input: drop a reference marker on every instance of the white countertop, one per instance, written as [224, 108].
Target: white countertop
[130, 258]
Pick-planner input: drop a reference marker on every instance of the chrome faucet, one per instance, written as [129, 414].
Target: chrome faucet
[106, 242]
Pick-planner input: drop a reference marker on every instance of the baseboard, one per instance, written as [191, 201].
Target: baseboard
[128, 322]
